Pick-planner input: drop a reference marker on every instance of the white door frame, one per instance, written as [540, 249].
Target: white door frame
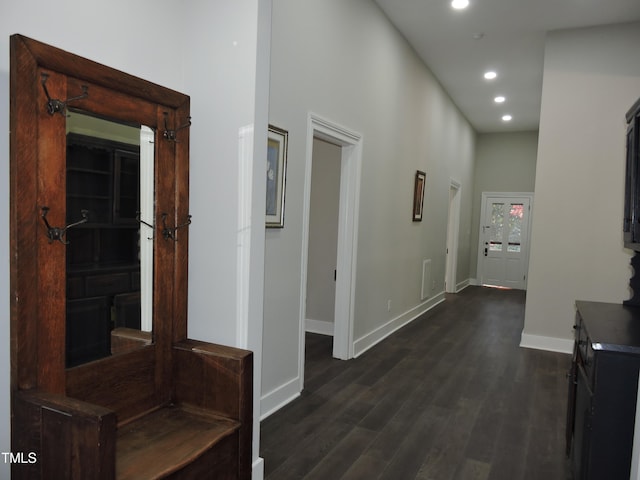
[480, 250]
[453, 229]
[350, 169]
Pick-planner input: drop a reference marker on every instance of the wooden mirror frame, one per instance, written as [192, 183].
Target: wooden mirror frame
[37, 178]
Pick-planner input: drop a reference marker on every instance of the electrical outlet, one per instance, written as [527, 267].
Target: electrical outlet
[388, 305]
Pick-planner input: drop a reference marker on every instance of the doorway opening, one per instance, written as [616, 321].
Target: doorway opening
[322, 250]
[453, 228]
[349, 145]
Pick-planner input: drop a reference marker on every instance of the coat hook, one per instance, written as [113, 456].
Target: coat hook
[139, 220]
[57, 233]
[169, 232]
[171, 134]
[58, 106]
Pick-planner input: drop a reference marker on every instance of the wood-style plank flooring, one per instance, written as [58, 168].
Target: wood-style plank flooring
[449, 396]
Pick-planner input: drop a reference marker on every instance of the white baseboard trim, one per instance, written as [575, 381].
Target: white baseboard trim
[278, 398]
[257, 469]
[551, 344]
[321, 327]
[462, 285]
[365, 343]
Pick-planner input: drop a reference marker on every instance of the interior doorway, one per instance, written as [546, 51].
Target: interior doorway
[350, 148]
[322, 250]
[453, 228]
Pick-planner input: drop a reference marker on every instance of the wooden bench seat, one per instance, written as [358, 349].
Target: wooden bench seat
[165, 441]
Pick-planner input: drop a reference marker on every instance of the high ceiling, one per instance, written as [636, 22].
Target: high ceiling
[503, 35]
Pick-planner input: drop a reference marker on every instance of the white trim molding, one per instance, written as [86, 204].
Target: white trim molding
[379, 334]
[463, 284]
[350, 172]
[279, 397]
[551, 344]
[243, 254]
[257, 469]
[321, 327]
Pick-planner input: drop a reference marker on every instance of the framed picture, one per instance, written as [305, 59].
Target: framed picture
[418, 195]
[276, 176]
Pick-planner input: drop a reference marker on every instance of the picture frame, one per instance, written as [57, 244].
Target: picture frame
[418, 195]
[277, 146]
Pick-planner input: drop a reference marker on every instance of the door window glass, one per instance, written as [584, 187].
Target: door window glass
[497, 227]
[516, 214]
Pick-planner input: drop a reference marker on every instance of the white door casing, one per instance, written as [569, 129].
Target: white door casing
[350, 171]
[453, 227]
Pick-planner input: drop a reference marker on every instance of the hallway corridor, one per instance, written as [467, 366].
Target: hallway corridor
[450, 396]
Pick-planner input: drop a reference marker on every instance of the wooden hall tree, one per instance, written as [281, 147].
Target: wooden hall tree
[162, 406]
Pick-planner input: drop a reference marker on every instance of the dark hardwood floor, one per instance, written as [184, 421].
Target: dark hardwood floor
[449, 396]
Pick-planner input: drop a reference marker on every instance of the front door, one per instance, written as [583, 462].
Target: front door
[504, 241]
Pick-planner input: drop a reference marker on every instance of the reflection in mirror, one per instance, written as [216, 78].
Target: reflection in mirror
[110, 257]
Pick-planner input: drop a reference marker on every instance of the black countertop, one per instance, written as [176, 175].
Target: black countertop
[611, 326]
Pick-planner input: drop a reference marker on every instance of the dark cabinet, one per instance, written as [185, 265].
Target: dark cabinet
[603, 385]
[631, 225]
[103, 266]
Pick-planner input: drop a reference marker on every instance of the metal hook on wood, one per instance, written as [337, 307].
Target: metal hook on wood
[170, 232]
[172, 134]
[57, 233]
[58, 106]
[139, 220]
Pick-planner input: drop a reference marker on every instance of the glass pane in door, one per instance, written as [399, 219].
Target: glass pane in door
[497, 227]
[516, 214]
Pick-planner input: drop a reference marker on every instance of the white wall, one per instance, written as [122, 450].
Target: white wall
[346, 63]
[591, 78]
[216, 52]
[504, 162]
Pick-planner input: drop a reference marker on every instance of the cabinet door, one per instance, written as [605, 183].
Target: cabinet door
[571, 399]
[582, 427]
[631, 225]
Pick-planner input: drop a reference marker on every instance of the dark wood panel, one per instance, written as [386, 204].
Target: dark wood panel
[24, 221]
[71, 439]
[51, 144]
[112, 104]
[219, 379]
[88, 70]
[124, 383]
[181, 213]
[168, 440]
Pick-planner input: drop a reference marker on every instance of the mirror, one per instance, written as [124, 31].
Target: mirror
[47, 84]
[109, 257]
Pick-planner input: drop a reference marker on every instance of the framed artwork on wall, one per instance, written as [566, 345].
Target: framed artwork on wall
[276, 176]
[418, 195]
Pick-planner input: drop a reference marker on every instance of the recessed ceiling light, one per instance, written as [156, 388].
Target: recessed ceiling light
[460, 4]
[506, 118]
[499, 99]
[490, 75]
